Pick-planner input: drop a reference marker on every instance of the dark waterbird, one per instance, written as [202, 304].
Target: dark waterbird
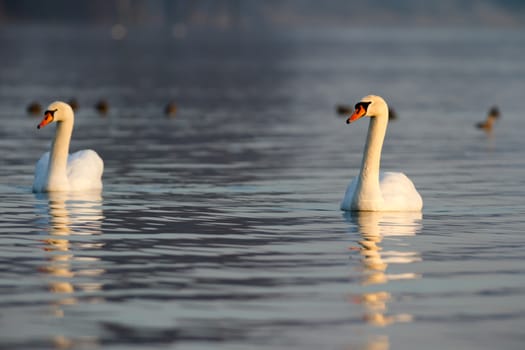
[102, 107]
[170, 110]
[34, 108]
[492, 115]
[73, 103]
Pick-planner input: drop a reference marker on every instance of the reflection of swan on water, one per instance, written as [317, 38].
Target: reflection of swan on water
[70, 214]
[370, 342]
[373, 228]
[73, 213]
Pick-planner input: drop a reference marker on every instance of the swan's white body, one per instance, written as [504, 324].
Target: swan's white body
[57, 170]
[372, 190]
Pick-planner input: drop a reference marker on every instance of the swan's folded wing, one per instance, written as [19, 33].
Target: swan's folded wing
[399, 193]
[84, 170]
[41, 166]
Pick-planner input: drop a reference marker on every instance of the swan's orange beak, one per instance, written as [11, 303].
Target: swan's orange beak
[48, 118]
[359, 112]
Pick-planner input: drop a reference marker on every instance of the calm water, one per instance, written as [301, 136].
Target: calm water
[221, 228]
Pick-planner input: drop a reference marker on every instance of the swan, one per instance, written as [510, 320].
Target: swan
[372, 190]
[59, 171]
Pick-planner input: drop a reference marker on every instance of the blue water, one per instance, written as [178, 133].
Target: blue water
[220, 228]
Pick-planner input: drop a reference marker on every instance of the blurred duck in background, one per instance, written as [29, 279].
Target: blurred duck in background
[34, 108]
[170, 110]
[73, 103]
[102, 107]
[493, 114]
[343, 110]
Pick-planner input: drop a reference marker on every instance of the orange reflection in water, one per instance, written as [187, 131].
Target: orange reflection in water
[71, 215]
[374, 227]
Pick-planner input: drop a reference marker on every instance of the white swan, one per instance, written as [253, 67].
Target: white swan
[372, 190]
[59, 171]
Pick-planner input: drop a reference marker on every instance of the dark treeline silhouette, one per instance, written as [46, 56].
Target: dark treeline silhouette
[285, 12]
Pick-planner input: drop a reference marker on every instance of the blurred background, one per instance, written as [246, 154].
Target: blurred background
[211, 37]
[252, 14]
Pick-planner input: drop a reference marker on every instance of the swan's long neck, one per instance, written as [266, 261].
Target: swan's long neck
[57, 173]
[368, 193]
[374, 144]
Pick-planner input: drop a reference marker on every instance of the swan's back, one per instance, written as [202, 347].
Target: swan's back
[399, 193]
[84, 170]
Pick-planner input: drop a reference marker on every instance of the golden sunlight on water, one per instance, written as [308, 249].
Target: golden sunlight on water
[374, 227]
[379, 342]
[60, 342]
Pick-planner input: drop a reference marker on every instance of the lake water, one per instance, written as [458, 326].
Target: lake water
[220, 228]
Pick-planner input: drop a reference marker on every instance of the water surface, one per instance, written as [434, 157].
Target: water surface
[221, 227]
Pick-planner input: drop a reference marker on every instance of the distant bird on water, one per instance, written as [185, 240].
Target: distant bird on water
[345, 111]
[170, 110]
[73, 103]
[392, 114]
[102, 107]
[493, 114]
[34, 108]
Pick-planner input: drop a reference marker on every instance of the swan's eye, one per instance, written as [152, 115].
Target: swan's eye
[51, 112]
[49, 115]
[363, 105]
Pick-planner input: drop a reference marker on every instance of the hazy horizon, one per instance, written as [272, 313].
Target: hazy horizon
[250, 13]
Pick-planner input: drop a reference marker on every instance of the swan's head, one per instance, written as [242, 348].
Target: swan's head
[56, 112]
[369, 106]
